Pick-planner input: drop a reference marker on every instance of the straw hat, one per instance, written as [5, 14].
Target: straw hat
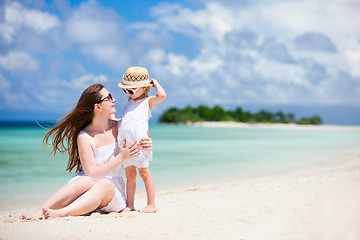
[135, 77]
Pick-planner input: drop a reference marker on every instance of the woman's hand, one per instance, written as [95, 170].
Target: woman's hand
[146, 143]
[130, 151]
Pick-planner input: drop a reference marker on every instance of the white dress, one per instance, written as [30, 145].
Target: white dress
[102, 155]
[134, 127]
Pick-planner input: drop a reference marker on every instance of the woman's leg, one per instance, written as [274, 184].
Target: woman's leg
[96, 197]
[68, 193]
[150, 190]
[64, 196]
[130, 187]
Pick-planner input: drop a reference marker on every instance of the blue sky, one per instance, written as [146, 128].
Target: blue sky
[295, 56]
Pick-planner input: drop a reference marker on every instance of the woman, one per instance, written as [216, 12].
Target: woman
[89, 136]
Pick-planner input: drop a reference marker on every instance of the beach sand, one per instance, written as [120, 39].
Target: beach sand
[322, 202]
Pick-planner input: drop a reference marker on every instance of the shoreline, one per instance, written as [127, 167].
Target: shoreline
[305, 204]
[269, 125]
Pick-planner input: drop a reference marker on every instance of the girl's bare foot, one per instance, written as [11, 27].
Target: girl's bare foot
[127, 209]
[149, 209]
[37, 214]
[50, 213]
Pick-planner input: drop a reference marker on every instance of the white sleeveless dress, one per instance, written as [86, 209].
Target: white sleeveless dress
[102, 155]
[134, 127]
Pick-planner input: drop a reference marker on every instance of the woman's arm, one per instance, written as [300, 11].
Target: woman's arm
[91, 169]
[146, 143]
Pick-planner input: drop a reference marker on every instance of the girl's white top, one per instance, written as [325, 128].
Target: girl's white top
[102, 155]
[134, 127]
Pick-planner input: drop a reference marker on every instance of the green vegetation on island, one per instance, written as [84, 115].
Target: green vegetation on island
[217, 113]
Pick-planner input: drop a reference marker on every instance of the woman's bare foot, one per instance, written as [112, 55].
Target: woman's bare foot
[149, 209]
[50, 213]
[37, 214]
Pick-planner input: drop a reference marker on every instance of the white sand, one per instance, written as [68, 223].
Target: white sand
[320, 203]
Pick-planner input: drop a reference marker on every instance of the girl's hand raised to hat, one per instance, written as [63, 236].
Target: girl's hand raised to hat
[160, 96]
[154, 83]
[130, 151]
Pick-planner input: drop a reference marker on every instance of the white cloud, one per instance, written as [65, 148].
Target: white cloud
[351, 57]
[91, 24]
[281, 76]
[156, 56]
[86, 80]
[215, 20]
[8, 95]
[216, 54]
[98, 33]
[18, 61]
[282, 73]
[109, 54]
[203, 66]
[337, 20]
[5, 87]
[177, 64]
[18, 17]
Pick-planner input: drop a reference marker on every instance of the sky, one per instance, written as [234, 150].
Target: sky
[295, 56]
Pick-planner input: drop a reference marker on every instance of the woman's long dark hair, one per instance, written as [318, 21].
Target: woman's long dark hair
[67, 129]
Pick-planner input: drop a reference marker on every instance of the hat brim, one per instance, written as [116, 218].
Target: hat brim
[121, 85]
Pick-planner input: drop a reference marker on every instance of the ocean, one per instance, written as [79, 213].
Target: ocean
[183, 156]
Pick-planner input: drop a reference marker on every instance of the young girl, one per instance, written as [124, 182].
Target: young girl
[135, 126]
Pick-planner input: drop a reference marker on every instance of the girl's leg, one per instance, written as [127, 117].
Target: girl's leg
[150, 190]
[130, 187]
[96, 197]
[63, 196]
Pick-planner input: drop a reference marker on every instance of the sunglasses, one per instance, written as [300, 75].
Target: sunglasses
[131, 91]
[109, 97]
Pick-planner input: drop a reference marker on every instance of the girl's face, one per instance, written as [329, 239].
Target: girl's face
[137, 93]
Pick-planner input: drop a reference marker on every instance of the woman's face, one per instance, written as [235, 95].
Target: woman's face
[107, 101]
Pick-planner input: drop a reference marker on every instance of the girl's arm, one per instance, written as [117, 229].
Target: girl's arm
[92, 169]
[161, 94]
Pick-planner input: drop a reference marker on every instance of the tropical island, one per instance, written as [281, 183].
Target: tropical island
[203, 113]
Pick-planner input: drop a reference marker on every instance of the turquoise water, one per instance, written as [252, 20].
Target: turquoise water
[183, 156]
